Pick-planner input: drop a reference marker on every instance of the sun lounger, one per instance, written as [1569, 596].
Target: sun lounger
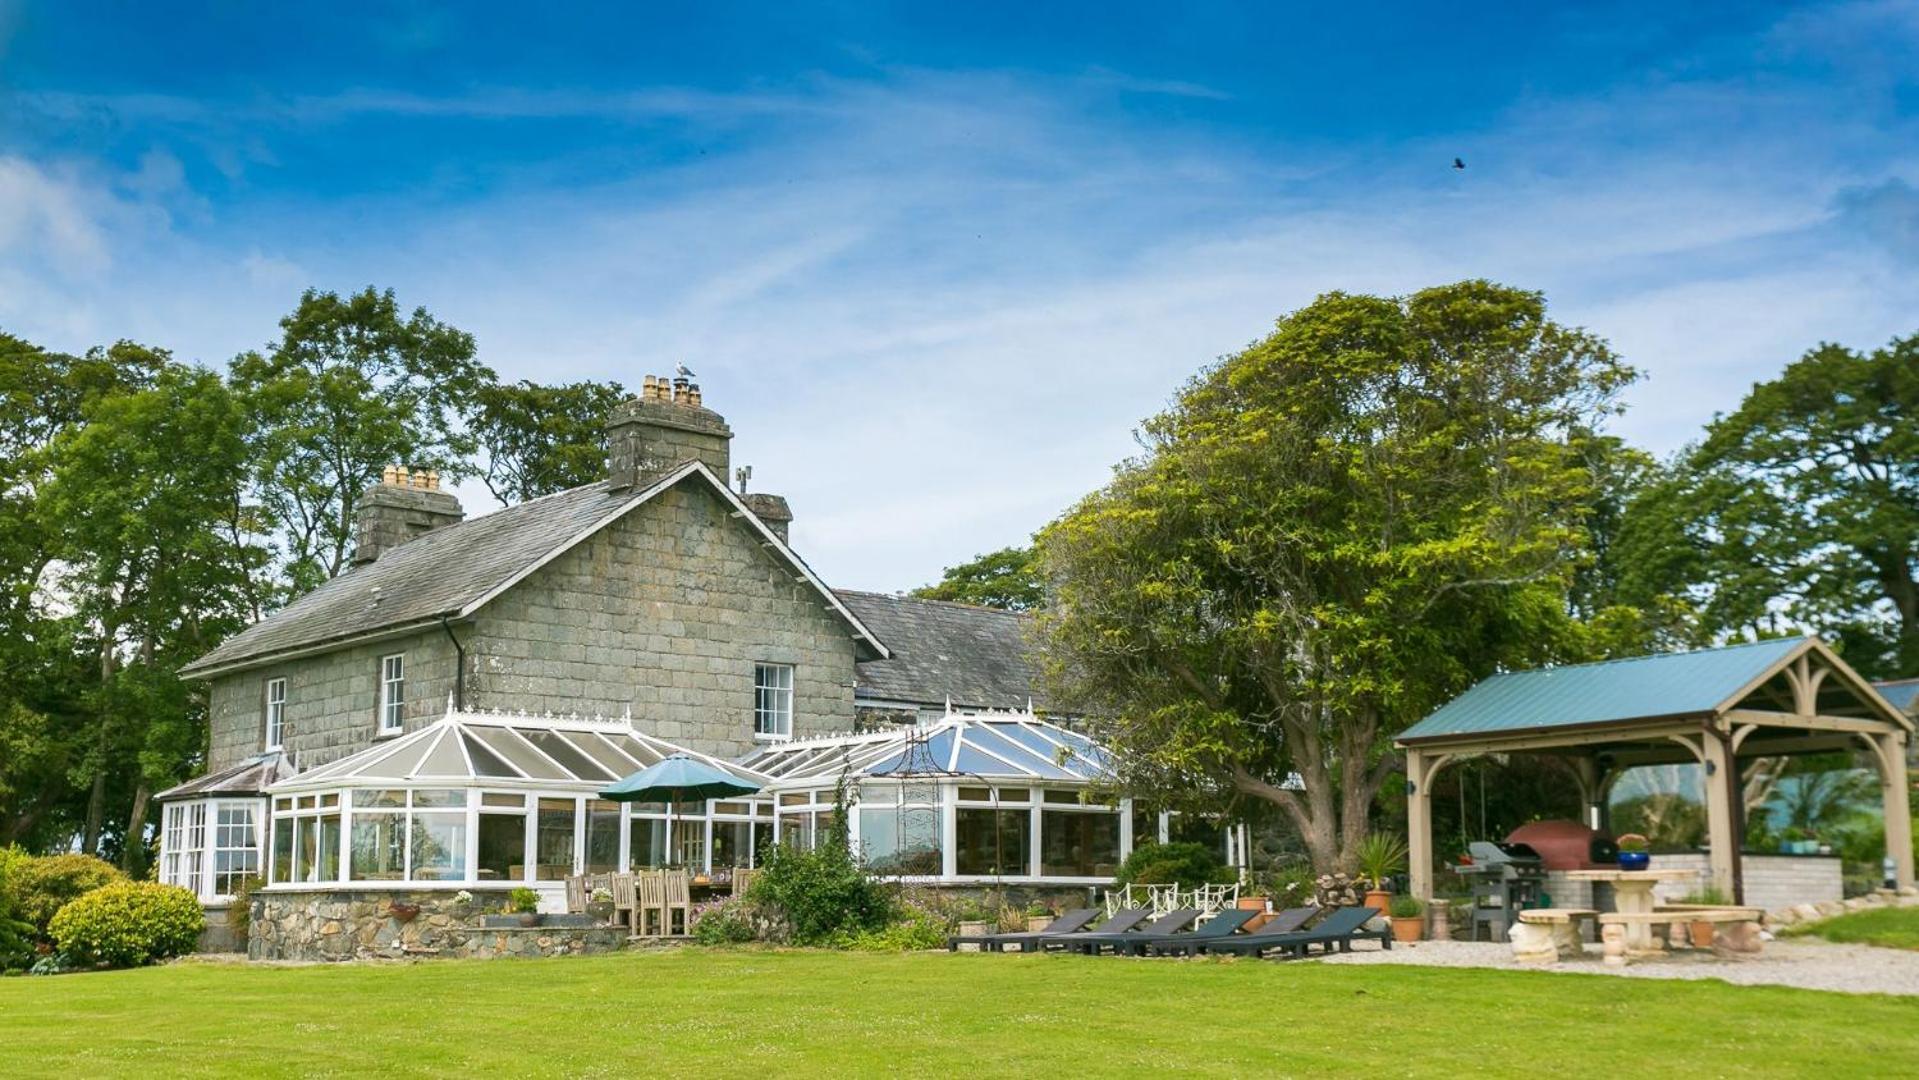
[1224, 924]
[1070, 922]
[1337, 929]
[1092, 944]
[1288, 921]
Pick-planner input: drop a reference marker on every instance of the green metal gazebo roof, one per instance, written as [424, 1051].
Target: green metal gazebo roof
[1611, 691]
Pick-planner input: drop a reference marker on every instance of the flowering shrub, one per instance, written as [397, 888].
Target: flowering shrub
[128, 924]
[725, 922]
[819, 894]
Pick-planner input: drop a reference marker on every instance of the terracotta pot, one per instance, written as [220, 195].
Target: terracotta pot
[1253, 903]
[1701, 934]
[529, 918]
[1379, 899]
[1408, 928]
[1038, 922]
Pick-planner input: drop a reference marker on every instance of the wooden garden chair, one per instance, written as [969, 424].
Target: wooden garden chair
[678, 897]
[649, 913]
[625, 904]
[576, 892]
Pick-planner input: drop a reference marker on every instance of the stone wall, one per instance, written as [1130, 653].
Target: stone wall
[664, 612]
[352, 925]
[332, 705]
[1771, 881]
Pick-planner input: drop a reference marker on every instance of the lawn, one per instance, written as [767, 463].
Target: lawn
[1894, 928]
[751, 1012]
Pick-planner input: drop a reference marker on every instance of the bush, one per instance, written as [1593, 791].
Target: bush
[913, 928]
[732, 922]
[819, 894]
[1184, 864]
[240, 911]
[41, 886]
[128, 924]
[523, 900]
[1405, 906]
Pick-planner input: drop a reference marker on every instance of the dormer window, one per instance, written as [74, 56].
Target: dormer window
[276, 713]
[392, 693]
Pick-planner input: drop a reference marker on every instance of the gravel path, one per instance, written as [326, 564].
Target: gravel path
[1806, 963]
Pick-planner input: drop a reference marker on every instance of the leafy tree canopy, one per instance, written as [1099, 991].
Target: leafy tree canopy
[1008, 579]
[1799, 510]
[541, 439]
[353, 385]
[1328, 534]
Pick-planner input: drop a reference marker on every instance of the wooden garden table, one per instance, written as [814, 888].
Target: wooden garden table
[1632, 895]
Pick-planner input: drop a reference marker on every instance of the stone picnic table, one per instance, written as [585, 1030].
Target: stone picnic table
[1632, 895]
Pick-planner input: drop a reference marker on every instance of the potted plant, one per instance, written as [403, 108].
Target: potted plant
[402, 911]
[527, 903]
[600, 905]
[1635, 852]
[1379, 855]
[1407, 914]
[1700, 931]
[1038, 917]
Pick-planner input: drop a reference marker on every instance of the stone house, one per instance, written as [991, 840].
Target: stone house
[443, 714]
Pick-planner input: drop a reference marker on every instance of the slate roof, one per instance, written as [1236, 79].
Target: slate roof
[978, 657]
[1694, 683]
[251, 777]
[451, 570]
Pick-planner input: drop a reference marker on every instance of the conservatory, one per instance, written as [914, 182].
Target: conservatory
[973, 799]
[481, 799]
[491, 799]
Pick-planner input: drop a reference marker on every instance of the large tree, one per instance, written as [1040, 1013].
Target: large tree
[1327, 535]
[541, 439]
[1800, 510]
[145, 494]
[353, 385]
[1008, 579]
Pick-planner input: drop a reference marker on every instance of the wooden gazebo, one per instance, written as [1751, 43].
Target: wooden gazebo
[1723, 709]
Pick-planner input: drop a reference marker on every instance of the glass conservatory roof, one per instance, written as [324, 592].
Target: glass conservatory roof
[464, 748]
[1017, 746]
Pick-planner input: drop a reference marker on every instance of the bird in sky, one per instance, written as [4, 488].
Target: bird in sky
[1458, 164]
[683, 371]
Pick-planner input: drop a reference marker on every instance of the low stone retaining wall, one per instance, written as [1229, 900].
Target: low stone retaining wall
[336, 924]
[1826, 909]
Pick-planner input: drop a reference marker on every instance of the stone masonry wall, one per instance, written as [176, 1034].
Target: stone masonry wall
[332, 702]
[666, 612]
[346, 925]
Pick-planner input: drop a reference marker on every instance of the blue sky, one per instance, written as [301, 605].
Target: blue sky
[934, 266]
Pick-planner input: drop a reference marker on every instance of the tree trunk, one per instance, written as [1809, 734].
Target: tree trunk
[133, 853]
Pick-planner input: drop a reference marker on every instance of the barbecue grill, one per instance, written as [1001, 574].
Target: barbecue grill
[1505, 878]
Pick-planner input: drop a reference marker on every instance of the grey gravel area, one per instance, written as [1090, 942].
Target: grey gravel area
[1807, 964]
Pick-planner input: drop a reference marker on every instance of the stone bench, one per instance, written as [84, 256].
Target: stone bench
[1544, 935]
[1740, 933]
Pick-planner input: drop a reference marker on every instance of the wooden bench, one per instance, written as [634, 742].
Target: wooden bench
[1544, 935]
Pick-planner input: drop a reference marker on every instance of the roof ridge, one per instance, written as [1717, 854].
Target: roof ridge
[930, 600]
[1649, 656]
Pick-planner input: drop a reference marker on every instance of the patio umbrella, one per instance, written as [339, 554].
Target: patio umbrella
[674, 778]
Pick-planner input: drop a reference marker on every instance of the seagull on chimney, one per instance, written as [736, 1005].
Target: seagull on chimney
[682, 371]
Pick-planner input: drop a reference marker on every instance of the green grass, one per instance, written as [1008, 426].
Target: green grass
[1894, 928]
[752, 1013]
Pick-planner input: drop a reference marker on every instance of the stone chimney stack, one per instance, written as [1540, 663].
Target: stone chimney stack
[404, 504]
[771, 509]
[663, 427]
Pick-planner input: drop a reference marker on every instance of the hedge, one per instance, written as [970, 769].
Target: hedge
[40, 886]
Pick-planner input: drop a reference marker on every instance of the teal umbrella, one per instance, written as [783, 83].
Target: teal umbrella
[678, 778]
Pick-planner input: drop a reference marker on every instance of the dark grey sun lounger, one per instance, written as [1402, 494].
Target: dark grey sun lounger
[1285, 922]
[1069, 922]
[1337, 929]
[1094, 943]
[1224, 924]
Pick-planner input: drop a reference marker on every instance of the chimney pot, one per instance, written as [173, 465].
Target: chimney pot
[390, 475]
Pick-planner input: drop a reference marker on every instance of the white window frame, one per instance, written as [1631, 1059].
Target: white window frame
[222, 831]
[392, 703]
[780, 728]
[276, 713]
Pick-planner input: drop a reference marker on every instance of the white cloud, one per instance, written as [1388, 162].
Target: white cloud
[934, 309]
